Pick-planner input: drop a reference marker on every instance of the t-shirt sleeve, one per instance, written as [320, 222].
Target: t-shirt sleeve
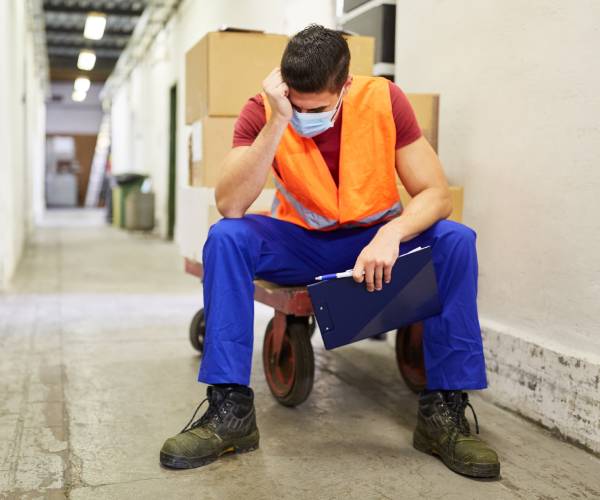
[250, 122]
[407, 127]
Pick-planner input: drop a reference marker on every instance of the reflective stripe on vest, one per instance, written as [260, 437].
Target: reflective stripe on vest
[313, 219]
[317, 221]
[393, 211]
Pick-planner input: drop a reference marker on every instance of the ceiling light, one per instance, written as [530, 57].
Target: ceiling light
[78, 95]
[86, 60]
[94, 26]
[82, 84]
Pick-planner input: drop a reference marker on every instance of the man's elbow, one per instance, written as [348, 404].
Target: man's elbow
[447, 205]
[229, 210]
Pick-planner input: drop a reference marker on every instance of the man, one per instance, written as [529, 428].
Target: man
[336, 143]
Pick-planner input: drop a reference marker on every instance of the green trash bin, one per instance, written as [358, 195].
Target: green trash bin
[126, 184]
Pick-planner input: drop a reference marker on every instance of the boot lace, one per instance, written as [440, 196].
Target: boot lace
[212, 415]
[456, 413]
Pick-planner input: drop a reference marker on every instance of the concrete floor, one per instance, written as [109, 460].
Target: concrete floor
[97, 371]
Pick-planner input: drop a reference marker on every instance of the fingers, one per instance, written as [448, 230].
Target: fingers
[378, 276]
[283, 88]
[387, 273]
[273, 79]
[358, 271]
[274, 85]
[374, 272]
[275, 74]
[369, 276]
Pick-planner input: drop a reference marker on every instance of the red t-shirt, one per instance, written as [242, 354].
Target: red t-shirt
[252, 119]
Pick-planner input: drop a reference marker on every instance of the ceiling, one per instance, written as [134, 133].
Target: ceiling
[65, 20]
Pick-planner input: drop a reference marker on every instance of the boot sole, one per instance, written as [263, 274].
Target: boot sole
[421, 443]
[180, 462]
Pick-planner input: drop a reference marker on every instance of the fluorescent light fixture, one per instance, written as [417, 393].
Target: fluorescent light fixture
[78, 95]
[86, 60]
[94, 26]
[82, 84]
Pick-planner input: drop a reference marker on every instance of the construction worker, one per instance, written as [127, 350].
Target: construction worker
[335, 144]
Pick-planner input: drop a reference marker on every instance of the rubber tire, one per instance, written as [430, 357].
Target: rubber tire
[415, 382]
[298, 333]
[312, 325]
[197, 331]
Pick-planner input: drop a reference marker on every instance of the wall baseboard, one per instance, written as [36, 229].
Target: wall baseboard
[559, 391]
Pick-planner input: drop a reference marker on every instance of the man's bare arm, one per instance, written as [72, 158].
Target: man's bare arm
[245, 168]
[422, 175]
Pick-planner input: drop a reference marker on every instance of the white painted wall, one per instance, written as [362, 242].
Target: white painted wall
[520, 129]
[35, 132]
[21, 135]
[140, 109]
[121, 151]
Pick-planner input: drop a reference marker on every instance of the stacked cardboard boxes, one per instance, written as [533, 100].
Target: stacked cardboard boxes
[209, 142]
[362, 54]
[223, 70]
[426, 108]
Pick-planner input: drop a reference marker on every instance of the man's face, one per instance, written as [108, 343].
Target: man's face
[315, 102]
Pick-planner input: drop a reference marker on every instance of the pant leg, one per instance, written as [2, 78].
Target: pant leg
[237, 251]
[452, 344]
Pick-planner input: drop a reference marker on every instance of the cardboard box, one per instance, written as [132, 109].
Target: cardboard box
[210, 141]
[225, 69]
[362, 54]
[426, 108]
[456, 192]
[197, 211]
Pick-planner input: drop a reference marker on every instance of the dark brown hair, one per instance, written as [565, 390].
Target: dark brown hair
[315, 60]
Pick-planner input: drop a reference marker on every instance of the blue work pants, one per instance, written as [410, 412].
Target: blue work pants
[256, 246]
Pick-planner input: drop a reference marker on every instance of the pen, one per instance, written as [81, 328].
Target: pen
[345, 274]
[348, 273]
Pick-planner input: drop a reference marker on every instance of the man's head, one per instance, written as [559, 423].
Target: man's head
[315, 68]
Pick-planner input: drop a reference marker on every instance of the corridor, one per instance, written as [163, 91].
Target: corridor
[97, 371]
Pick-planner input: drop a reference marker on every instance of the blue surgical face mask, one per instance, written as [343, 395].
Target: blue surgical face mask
[311, 124]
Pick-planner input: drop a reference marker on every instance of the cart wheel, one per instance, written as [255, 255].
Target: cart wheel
[291, 380]
[409, 355]
[197, 331]
[312, 325]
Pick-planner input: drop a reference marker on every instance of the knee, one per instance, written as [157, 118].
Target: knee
[225, 238]
[228, 231]
[455, 232]
[228, 235]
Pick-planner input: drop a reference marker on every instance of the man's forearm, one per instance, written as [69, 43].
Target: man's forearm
[245, 174]
[424, 210]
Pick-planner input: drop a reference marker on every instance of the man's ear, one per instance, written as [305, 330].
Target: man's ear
[348, 82]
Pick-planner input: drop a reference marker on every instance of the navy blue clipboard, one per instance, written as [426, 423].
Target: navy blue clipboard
[346, 312]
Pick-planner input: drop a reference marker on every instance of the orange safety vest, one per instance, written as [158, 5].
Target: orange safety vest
[306, 193]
